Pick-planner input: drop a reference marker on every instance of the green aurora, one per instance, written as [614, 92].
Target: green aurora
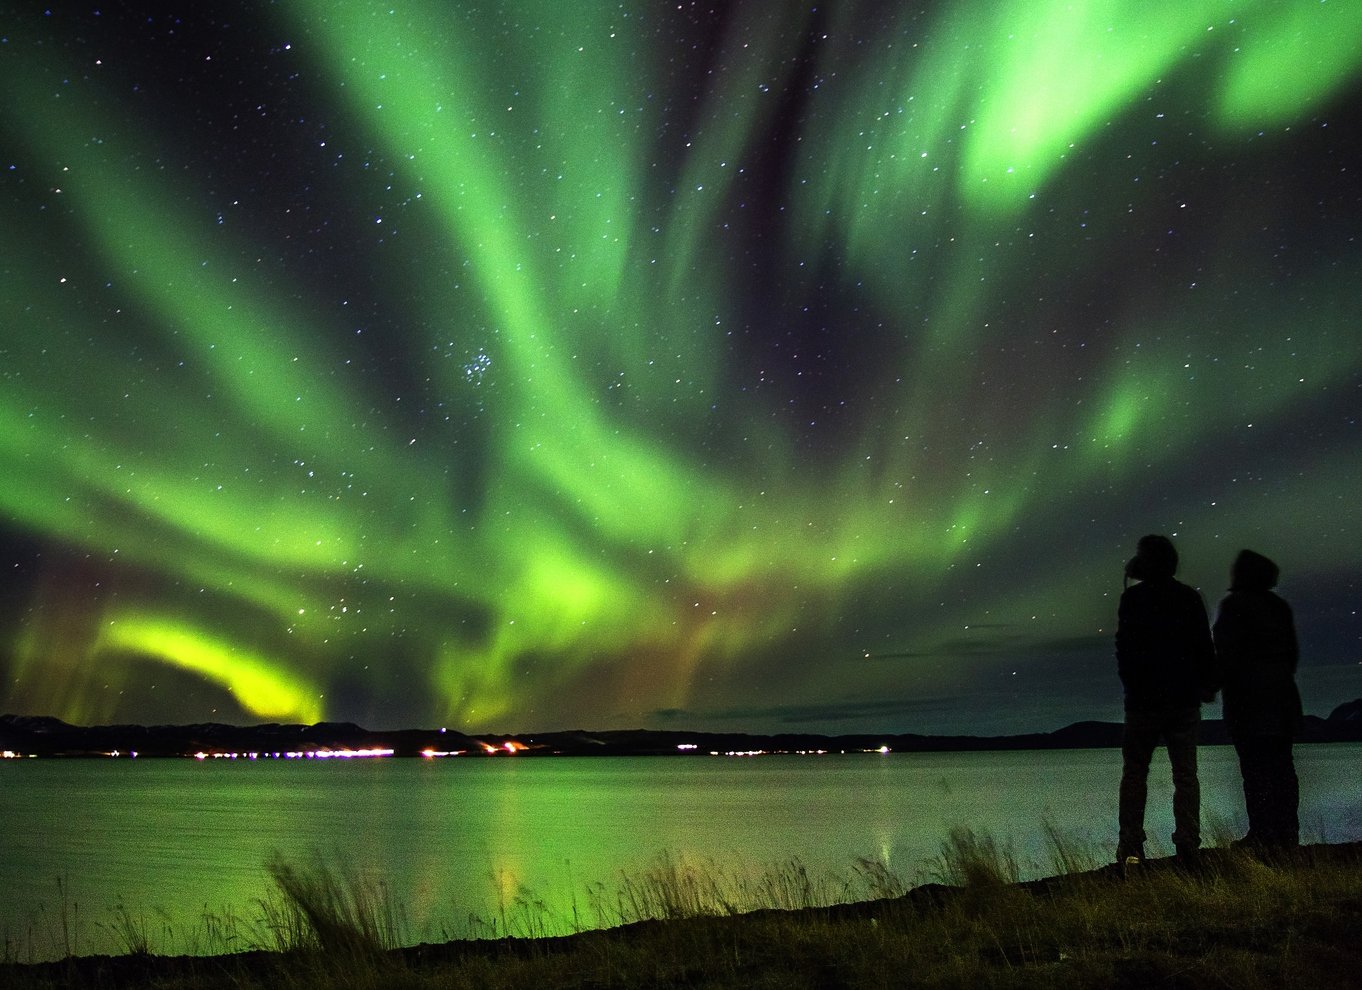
[530, 366]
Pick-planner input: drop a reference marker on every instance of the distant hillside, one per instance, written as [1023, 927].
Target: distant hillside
[25, 735]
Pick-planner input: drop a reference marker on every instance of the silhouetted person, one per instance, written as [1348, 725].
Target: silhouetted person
[1255, 644]
[1167, 666]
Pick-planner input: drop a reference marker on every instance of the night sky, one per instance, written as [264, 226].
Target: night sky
[748, 366]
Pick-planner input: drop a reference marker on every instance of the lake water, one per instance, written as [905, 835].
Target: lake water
[174, 841]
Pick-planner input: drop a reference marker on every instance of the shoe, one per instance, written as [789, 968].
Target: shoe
[1189, 857]
[1128, 857]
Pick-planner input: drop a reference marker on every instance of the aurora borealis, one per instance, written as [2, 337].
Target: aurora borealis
[525, 366]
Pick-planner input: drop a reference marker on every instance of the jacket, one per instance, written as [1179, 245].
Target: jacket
[1257, 651]
[1164, 653]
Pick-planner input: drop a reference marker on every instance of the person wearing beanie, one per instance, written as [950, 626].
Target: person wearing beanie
[1166, 663]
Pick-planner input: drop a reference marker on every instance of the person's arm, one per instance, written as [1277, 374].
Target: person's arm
[1203, 650]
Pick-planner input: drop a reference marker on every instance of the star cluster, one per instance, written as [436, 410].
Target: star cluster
[530, 366]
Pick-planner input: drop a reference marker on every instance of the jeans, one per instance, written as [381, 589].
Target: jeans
[1271, 791]
[1177, 729]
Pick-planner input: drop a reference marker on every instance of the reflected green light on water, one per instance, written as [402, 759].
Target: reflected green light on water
[544, 843]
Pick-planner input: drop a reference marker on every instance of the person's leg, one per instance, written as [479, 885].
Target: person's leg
[1253, 767]
[1281, 793]
[1140, 737]
[1180, 730]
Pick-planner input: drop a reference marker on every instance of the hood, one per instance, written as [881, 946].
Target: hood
[1252, 572]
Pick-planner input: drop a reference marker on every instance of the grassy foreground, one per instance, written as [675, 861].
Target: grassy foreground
[1234, 920]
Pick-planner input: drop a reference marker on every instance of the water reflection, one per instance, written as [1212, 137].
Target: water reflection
[177, 839]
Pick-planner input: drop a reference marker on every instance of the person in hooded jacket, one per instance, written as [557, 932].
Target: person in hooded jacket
[1256, 647]
[1166, 663]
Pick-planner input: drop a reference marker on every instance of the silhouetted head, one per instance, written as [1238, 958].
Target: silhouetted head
[1252, 572]
[1154, 558]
